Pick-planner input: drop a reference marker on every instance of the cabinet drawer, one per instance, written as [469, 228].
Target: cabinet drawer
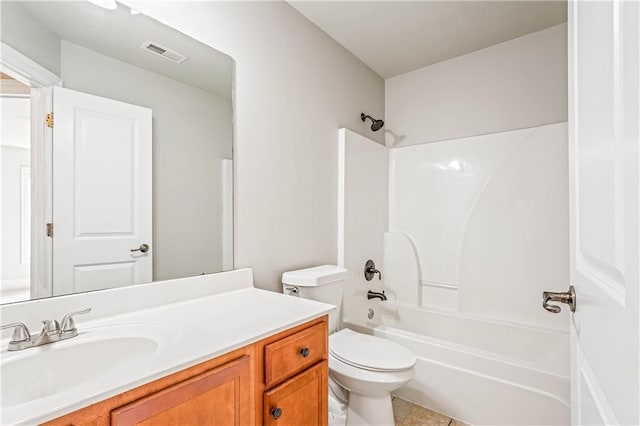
[302, 400]
[288, 356]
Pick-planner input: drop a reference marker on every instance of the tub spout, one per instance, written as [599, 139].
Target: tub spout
[376, 295]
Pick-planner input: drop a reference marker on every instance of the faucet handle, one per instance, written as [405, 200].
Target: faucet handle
[20, 332]
[68, 324]
[370, 270]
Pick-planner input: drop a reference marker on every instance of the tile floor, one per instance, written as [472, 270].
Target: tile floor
[408, 414]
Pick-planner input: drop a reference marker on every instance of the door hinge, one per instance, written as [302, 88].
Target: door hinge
[50, 230]
[50, 120]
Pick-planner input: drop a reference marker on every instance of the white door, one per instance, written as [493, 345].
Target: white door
[604, 75]
[101, 193]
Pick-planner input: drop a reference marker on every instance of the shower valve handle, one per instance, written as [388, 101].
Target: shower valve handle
[370, 270]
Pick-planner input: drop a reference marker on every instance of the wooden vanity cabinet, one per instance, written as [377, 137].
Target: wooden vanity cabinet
[219, 396]
[280, 380]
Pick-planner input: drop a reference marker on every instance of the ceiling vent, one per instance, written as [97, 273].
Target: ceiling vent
[165, 52]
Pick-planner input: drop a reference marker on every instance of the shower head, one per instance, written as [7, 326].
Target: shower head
[375, 124]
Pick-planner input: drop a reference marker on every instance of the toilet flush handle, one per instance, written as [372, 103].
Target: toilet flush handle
[292, 290]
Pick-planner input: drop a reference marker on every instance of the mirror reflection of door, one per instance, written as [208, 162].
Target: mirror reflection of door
[15, 190]
[102, 188]
[95, 192]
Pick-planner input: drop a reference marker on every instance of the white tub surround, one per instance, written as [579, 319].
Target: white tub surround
[477, 229]
[201, 318]
[487, 217]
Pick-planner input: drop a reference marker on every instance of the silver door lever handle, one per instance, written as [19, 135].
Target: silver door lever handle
[143, 248]
[568, 297]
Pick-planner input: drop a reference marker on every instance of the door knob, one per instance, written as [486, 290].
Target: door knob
[568, 297]
[143, 248]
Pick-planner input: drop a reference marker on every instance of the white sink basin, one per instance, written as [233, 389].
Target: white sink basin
[48, 370]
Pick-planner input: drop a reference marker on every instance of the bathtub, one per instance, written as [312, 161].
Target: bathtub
[479, 371]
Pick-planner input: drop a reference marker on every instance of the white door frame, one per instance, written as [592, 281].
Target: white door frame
[41, 81]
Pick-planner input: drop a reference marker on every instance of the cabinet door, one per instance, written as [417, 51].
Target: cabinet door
[221, 396]
[302, 400]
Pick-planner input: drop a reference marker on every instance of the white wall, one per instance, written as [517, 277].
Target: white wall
[294, 87]
[14, 155]
[13, 159]
[363, 179]
[518, 84]
[27, 35]
[192, 132]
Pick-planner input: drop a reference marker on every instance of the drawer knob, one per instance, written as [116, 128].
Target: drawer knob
[276, 413]
[304, 352]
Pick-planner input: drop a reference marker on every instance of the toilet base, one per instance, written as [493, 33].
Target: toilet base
[369, 410]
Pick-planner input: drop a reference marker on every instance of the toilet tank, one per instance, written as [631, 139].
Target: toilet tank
[321, 283]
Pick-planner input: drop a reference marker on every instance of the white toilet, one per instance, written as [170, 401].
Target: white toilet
[369, 368]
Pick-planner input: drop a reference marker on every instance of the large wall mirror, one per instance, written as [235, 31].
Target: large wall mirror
[130, 179]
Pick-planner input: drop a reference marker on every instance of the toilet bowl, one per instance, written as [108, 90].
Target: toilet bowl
[369, 368]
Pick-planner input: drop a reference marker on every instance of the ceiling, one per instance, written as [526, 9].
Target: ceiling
[395, 37]
[119, 34]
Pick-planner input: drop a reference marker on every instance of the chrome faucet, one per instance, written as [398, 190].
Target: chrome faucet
[51, 332]
[376, 295]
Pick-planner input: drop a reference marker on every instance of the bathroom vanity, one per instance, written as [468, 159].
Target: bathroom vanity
[224, 353]
[281, 378]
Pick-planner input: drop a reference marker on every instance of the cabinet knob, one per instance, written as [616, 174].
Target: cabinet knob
[304, 352]
[276, 413]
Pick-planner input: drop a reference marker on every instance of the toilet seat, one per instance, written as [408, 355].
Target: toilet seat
[370, 352]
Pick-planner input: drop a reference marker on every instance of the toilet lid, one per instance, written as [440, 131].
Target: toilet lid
[370, 352]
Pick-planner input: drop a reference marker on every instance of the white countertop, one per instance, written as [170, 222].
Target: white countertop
[196, 330]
